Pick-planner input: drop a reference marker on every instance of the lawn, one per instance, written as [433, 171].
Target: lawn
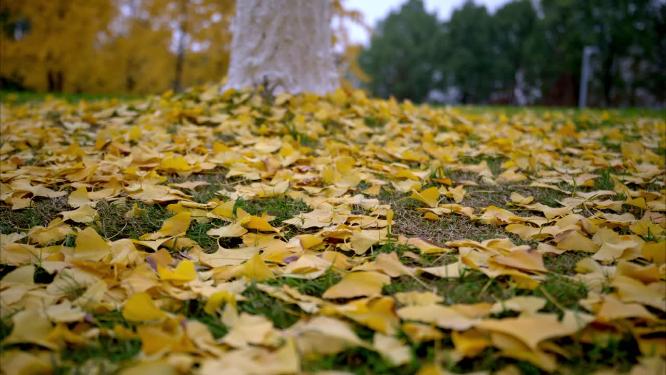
[251, 233]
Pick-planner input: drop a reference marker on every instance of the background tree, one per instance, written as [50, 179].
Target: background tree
[513, 26]
[400, 57]
[528, 51]
[471, 52]
[49, 44]
[132, 46]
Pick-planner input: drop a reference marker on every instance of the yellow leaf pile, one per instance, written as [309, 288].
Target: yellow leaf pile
[235, 233]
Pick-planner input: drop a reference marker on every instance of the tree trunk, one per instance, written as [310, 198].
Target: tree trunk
[283, 44]
[180, 52]
[607, 76]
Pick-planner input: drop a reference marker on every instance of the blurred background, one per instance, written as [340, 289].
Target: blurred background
[519, 52]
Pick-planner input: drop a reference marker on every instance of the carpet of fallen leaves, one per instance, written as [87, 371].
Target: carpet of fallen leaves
[164, 251]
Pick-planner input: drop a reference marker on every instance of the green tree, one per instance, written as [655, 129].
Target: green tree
[515, 39]
[470, 52]
[400, 58]
[626, 35]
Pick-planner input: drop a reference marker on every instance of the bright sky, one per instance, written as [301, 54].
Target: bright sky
[375, 10]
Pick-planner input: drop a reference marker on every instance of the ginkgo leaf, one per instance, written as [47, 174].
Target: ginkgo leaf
[224, 210]
[140, 307]
[470, 343]
[524, 260]
[177, 163]
[533, 329]
[358, 284]
[418, 298]
[30, 326]
[391, 348]
[65, 312]
[418, 332]
[255, 222]
[520, 199]
[83, 214]
[90, 246]
[613, 309]
[23, 362]
[231, 230]
[362, 240]
[256, 269]
[251, 329]
[185, 271]
[174, 226]
[522, 304]
[429, 196]
[574, 240]
[341, 234]
[79, 197]
[215, 300]
[150, 367]
[56, 231]
[441, 316]
[375, 313]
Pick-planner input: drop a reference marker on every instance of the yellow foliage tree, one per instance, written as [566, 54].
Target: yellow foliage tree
[127, 46]
[113, 46]
[52, 42]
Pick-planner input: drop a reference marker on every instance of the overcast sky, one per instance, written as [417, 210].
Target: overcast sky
[375, 10]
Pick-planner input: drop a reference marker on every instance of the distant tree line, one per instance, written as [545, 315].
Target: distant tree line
[526, 52]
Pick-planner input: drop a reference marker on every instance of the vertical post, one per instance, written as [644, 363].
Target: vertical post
[585, 70]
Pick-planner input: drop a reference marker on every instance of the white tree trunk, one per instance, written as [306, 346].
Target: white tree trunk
[283, 43]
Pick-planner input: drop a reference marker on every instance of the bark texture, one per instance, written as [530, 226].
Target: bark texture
[285, 44]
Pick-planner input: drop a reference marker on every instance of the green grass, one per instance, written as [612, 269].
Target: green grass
[618, 352]
[561, 292]
[282, 207]
[40, 212]
[113, 222]
[315, 287]
[358, 361]
[104, 347]
[565, 263]
[494, 162]
[282, 315]
[193, 309]
[197, 232]
[471, 287]
[216, 180]
[5, 327]
[19, 97]
[604, 181]
[620, 113]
